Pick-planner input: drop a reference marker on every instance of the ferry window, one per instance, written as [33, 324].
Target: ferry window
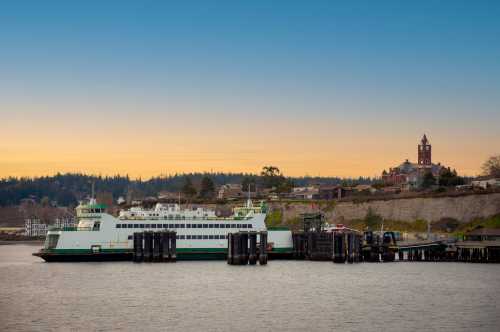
[118, 226]
[176, 225]
[165, 225]
[188, 237]
[153, 225]
[130, 237]
[141, 225]
[181, 237]
[130, 225]
[249, 225]
[199, 237]
[158, 226]
[136, 225]
[199, 226]
[216, 225]
[177, 237]
[188, 225]
[222, 237]
[210, 237]
[170, 225]
[210, 225]
[238, 226]
[243, 225]
[205, 237]
[181, 225]
[205, 226]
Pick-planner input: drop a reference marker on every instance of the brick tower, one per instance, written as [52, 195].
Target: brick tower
[424, 152]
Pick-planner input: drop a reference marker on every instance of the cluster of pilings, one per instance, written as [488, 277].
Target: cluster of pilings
[155, 246]
[243, 248]
[479, 255]
[337, 246]
[376, 248]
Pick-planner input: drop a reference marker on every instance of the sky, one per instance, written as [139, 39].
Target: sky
[328, 88]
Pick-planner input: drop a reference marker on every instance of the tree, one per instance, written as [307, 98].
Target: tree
[249, 182]
[429, 180]
[491, 167]
[272, 178]
[285, 186]
[448, 177]
[207, 187]
[372, 220]
[45, 201]
[188, 189]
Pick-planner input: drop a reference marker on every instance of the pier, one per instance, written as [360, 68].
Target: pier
[316, 243]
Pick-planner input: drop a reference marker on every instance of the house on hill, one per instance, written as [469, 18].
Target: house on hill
[230, 191]
[408, 175]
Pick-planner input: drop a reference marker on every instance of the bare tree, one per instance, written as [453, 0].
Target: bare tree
[491, 166]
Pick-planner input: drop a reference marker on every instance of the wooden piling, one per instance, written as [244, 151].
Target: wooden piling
[263, 248]
[252, 254]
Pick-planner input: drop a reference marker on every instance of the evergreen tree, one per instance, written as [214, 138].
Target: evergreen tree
[249, 182]
[447, 177]
[429, 180]
[207, 187]
[188, 189]
[372, 221]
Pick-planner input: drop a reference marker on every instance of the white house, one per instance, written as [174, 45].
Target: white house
[485, 183]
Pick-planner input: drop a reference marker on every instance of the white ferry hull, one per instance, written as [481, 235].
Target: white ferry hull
[196, 238]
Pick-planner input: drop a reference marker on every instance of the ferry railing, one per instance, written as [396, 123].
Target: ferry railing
[124, 217]
[73, 229]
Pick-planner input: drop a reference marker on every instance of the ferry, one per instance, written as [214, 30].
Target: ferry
[200, 234]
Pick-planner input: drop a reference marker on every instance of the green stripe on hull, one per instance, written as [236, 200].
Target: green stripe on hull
[86, 251]
[182, 253]
[282, 250]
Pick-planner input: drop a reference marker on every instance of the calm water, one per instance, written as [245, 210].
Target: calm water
[284, 295]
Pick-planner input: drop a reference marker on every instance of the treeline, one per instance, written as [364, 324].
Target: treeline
[67, 189]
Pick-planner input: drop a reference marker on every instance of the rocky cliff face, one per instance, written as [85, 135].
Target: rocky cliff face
[462, 208]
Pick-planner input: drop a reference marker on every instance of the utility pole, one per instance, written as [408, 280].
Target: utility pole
[428, 230]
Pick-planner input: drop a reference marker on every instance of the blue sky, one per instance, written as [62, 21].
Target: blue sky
[386, 71]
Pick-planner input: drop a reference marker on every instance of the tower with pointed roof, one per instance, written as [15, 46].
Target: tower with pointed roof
[424, 152]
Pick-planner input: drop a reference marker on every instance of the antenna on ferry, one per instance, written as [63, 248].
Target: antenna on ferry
[249, 200]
